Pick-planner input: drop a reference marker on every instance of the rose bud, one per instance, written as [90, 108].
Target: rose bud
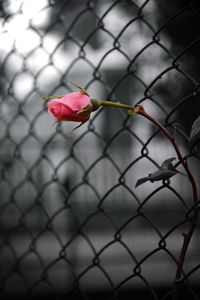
[74, 107]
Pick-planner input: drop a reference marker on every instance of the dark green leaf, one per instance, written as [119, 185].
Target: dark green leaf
[166, 171]
[167, 164]
[141, 181]
[194, 138]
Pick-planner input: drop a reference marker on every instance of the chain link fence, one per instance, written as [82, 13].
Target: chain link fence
[73, 225]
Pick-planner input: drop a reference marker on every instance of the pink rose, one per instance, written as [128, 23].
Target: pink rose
[75, 107]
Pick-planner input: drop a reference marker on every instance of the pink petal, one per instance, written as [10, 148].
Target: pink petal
[54, 109]
[76, 101]
[58, 111]
[62, 112]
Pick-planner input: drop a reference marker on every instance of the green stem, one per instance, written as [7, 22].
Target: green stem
[98, 103]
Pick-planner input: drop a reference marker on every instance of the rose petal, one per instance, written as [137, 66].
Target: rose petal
[54, 109]
[76, 101]
[58, 110]
[61, 112]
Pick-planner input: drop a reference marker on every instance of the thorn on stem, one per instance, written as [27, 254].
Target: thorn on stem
[184, 235]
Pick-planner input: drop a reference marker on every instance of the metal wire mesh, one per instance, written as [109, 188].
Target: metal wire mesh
[72, 222]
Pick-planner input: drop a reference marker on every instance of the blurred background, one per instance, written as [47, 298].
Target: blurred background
[73, 225]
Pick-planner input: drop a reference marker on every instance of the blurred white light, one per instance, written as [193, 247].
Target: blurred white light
[30, 8]
[14, 6]
[16, 25]
[27, 41]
